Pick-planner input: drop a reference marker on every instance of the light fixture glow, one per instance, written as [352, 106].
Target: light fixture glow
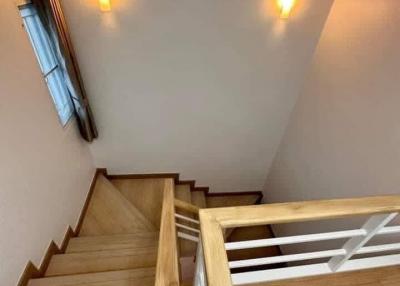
[286, 7]
[105, 5]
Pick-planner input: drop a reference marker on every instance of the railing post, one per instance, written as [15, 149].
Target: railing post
[215, 256]
[372, 227]
[167, 269]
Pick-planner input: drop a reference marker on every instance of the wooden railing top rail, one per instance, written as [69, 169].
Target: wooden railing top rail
[214, 221]
[167, 271]
[302, 211]
[186, 206]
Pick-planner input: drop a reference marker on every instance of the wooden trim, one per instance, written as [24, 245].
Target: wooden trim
[206, 190]
[167, 270]
[53, 249]
[174, 176]
[68, 235]
[186, 206]
[215, 256]
[303, 211]
[191, 183]
[99, 171]
[257, 193]
[31, 271]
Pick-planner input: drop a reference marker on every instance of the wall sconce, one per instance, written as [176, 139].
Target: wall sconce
[286, 7]
[105, 5]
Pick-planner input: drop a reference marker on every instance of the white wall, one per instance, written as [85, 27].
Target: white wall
[45, 170]
[344, 134]
[204, 88]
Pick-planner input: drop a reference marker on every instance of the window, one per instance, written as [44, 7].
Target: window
[51, 68]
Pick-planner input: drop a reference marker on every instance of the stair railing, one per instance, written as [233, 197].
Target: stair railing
[381, 211]
[167, 269]
[189, 229]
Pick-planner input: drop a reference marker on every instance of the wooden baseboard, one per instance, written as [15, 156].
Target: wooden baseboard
[174, 176]
[31, 271]
[178, 181]
[78, 227]
[206, 190]
[257, 193]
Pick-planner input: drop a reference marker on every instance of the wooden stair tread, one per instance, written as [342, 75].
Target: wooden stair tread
[221, 200]
[199, 199]
[98, 261]
[99, 277]
[109, 212]
[110, 242]
[145, 194]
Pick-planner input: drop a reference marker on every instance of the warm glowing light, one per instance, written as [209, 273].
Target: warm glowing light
[286, 7]
[105, 5]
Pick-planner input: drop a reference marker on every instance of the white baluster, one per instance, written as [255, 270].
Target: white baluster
[200, 278]
[353, 245]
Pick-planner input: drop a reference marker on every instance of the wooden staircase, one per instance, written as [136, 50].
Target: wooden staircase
[119, 236]
[127, 236]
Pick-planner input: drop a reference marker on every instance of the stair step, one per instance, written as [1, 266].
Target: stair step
[111, 242]
[145, 194]
[199, 199]
[109, 212]
[99, 261]
[231, 200]
[131, 277]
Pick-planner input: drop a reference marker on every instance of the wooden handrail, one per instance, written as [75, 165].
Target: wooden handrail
[214, 221]
[215, 257]
[167, 271]
[186, 206]
[303, 211]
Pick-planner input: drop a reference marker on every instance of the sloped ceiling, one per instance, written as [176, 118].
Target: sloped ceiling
[204, 88]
